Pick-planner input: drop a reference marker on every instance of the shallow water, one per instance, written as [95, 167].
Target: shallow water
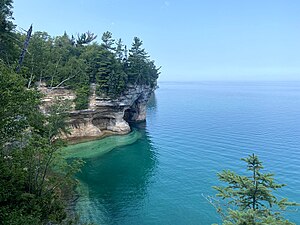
[193, 131]
[96, 148]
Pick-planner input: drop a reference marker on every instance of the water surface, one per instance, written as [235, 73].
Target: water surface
[193, 131]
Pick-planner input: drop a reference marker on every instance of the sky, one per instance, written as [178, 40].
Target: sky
[193, 40]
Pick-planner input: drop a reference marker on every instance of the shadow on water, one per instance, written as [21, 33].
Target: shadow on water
[152, 103]
[115, 184]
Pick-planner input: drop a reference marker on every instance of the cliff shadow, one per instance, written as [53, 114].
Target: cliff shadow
[118, 181]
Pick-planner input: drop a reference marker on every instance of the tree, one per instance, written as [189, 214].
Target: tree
[18, 105]
[105, 60]
[137, 51]
[120, 50]
[136, 62]
[108, 41]
[141, 70]
[35, 182]
[249, 198]
[90, 56]
[116, 81]
[84, 39]
[36, 63]
[7, 36]
[82, 98]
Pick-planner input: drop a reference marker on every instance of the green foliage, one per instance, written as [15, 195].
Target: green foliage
[65, 62]
[82, 98]
[35, 181]
[15, 115]
[108, 41]
[85, 38]
[36, 63]
[250, 199]
[7, 36]
[141, 70]
[105, 61]
[120, 54]
[116, 82]
[253, 217]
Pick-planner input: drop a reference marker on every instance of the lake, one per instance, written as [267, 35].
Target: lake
[160, 173]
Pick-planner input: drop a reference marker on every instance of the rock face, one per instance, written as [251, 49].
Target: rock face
[104, 116]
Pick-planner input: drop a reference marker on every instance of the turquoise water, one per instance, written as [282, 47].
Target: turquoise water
[194, 130]
[97, 148]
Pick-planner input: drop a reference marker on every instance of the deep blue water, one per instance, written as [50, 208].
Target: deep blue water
[193, 131]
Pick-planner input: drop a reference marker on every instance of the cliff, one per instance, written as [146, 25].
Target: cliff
[104, 116]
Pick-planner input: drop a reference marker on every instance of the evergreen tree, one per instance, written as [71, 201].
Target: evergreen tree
[137, 62]
[90, 56]
[117, 81]
[250, 198]
[120, 50]
[85, 38]
[125, 53]
[141, 70]
[105, 61]
[108, 41]
[7, 36]
[137, 51]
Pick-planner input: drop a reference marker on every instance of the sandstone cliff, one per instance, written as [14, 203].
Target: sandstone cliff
[104, 116]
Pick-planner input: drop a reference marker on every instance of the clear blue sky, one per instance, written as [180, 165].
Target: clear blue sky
[190, 39]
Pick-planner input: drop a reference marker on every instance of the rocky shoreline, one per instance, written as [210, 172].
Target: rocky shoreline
[105, 116]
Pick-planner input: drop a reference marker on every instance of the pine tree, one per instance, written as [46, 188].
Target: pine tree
[249, 198]
[116, 81]
[108, 41]
[7, 36]
[137, 62]
[120, 50]
[105, 62]
[84, 39]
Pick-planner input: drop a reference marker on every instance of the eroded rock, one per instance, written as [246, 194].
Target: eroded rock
[105, 115]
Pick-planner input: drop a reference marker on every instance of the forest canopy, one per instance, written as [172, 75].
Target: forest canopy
[80, 61]
[76, 61]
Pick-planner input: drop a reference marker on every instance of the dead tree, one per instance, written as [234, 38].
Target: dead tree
[26, 43]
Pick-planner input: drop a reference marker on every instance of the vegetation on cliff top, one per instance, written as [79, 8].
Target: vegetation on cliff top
[76, 61]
